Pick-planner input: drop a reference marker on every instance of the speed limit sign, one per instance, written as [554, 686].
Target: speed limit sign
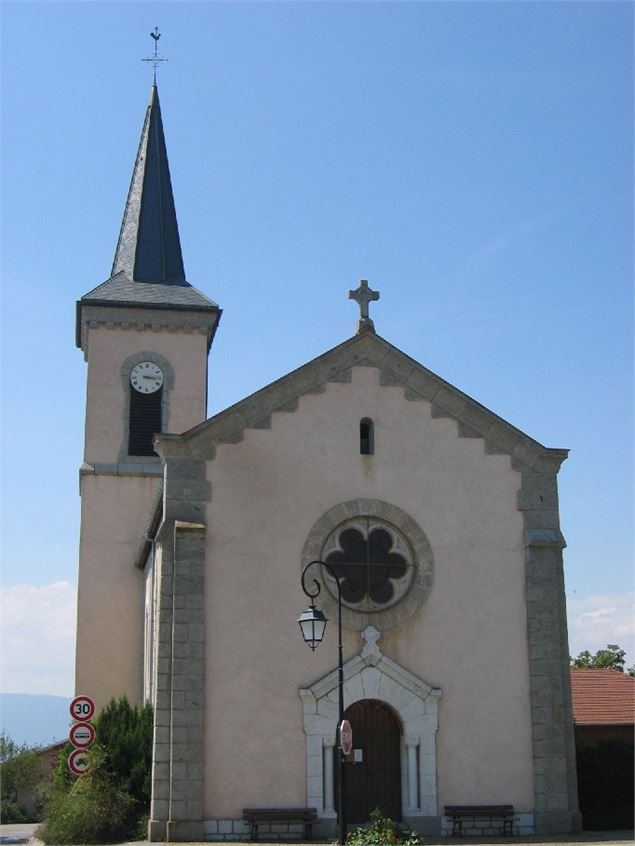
[82, 708]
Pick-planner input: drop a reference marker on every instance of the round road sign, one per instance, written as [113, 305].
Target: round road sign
[82, 735]
[82, 708]
[79, 761]
[346, 737]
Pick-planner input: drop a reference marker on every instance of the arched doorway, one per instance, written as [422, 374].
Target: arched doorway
[373, 770]
[415, 706]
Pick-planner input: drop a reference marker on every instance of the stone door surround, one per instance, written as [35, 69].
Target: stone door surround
[372, 675]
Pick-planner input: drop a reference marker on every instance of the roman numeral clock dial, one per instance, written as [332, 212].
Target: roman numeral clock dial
[146, 377]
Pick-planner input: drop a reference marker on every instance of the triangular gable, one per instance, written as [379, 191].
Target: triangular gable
[397, 676]
[395, 368]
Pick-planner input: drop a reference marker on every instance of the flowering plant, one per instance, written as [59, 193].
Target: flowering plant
[382, 831]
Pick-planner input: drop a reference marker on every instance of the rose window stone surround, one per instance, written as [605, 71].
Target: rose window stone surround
[382, 558]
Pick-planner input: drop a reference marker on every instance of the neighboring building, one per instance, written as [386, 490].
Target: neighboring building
[603, 706]
[32, 798]
[441, 520]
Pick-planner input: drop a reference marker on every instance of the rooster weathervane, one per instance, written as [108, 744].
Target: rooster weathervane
[155, 60]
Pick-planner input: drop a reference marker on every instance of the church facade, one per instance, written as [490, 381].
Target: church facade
[439, 520]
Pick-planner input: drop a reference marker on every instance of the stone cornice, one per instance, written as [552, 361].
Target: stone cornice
[396, 369]
[139, 466]
[142, 466]
[155, 318]
[550, 538]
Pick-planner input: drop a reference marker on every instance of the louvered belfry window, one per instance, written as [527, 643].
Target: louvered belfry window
[145, 421]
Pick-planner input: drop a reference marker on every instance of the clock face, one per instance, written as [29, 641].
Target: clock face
[146, 377]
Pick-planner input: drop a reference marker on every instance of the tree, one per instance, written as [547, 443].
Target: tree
[611, 658]
[125, 732]
[20, 770]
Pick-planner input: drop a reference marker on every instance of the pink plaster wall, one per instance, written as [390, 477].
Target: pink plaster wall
[111, 590]
[114, 508]
[108, 349]
[469, 638]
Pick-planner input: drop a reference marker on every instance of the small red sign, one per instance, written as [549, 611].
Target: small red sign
[82, 735]
[82, 708]
[79, 761]
[346, 737]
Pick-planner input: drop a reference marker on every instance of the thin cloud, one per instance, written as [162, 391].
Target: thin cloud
[600, 619]
[37, 635]
[504, 241]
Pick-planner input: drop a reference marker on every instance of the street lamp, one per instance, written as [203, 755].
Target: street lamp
[312, 624]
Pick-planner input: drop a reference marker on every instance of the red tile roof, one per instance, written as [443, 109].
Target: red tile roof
[602, 697]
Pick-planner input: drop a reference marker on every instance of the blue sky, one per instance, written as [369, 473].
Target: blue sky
[472, 160]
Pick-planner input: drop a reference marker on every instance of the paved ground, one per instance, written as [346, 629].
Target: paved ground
[618, 838]
[17, 832]
[23, 833]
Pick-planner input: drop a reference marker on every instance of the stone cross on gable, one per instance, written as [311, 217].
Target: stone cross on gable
[363, 296]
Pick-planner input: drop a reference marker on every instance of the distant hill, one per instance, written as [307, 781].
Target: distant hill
[34, 719]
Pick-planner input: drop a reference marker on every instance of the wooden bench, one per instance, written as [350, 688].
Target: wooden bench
[263, 816]
[499, 813]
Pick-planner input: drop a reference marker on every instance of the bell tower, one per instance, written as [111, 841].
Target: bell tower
[146, 334]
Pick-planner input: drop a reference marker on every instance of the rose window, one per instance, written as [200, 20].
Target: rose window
[373, 562]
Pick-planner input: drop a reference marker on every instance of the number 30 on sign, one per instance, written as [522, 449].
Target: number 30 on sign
[82, 708]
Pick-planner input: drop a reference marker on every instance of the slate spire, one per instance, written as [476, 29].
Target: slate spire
[147, 273]
[149, 247]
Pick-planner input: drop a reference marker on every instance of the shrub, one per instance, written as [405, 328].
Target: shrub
[20, 772]
[110, 803]
[382, 830]
[11, 812]
[62, 777]
[95, 810]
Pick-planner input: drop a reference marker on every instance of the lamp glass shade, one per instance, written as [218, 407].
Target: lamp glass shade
[312, 624]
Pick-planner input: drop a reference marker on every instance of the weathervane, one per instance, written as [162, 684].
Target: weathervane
[363, 296]
[155, 60]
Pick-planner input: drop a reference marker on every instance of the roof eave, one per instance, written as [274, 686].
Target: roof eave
[396, 368]
[212, 308]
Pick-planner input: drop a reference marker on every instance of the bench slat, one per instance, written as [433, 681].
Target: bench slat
[257, 816]
[459, 813]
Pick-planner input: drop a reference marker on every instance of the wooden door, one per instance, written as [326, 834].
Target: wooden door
[375, 780]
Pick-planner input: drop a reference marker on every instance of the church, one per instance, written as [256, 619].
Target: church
[433, 520]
